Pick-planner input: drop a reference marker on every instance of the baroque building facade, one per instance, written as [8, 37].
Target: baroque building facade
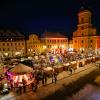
[85, 36]
[33, 44]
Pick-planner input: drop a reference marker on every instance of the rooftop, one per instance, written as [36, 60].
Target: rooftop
[53, 35]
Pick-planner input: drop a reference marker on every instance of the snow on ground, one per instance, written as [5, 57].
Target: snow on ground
[89, 92]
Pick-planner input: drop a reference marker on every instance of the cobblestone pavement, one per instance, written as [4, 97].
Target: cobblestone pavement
[44, 91]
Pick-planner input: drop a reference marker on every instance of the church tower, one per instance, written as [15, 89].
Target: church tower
[83, 37]
[84, 26]
[84, 23]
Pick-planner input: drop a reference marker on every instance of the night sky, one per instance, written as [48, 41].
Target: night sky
[50, 15]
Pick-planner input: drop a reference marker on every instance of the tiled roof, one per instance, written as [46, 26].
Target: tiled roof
[7, 33]
[53, 35]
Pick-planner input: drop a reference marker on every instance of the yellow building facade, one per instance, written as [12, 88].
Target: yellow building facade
[12, 44]
[86, 35]
[70, 45]
[33, 45]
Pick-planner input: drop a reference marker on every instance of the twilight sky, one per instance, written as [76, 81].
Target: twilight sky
[41, 15]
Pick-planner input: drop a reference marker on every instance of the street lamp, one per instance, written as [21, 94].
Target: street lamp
[44, 47]
[30, 51]
[63, 48]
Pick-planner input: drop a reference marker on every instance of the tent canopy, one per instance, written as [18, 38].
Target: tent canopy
[21, 69]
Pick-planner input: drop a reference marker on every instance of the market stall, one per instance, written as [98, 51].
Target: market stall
[21, 72]
[48, 71]
[66, 66]
[73, 65]
[59, 69]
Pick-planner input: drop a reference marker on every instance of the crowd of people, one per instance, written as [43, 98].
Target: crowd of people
[40, 61]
